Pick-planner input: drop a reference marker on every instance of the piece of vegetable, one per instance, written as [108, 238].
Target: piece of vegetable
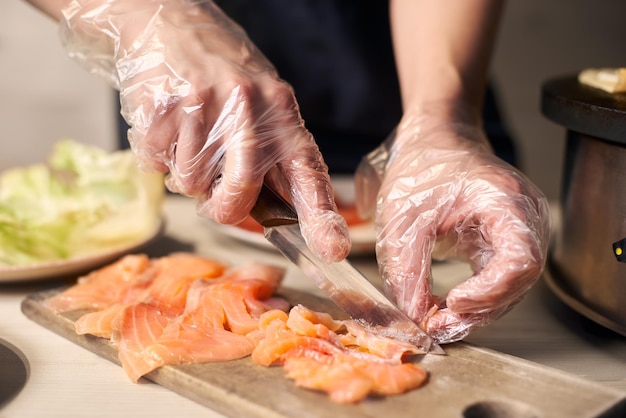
[83, 200]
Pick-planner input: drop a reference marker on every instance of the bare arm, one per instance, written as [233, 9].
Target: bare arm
[52, 8]
[443, 49]
[443, 192]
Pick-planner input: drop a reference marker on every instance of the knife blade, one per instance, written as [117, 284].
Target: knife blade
[347, 287]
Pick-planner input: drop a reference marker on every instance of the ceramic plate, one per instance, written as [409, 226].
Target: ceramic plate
[363, 234]
[75, 265]
[363, 237]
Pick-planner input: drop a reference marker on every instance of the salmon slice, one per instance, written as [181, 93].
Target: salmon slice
[333, 375]
[99, 323]
[174, 275]
[348, 379]
[148, 339]
[261, 298]
[182, 343]
[276, 350]
[377, 345]
[184, 308]
[347, 334]
[106, 286]
[229, 298]
[191, 310]
[140, 326]
[338, 357]
[134, 278]
[236, 301]
[304, 321]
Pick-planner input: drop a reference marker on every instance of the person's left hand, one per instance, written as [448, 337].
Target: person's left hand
[445, 194]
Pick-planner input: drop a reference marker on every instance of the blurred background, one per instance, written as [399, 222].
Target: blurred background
[45, 96]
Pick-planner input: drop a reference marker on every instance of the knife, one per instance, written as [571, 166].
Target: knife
[341, 282]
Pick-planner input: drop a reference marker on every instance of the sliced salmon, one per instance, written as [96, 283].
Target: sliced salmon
[174, 275]
[106, 286]
[147, 339]
[184, 308]
[140, 326]
[348, 379]
[210, 327]
[340, 358]
[99, 323]
[181, 308]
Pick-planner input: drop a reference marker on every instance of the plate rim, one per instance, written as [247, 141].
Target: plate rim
[58, 268]
[363, 237]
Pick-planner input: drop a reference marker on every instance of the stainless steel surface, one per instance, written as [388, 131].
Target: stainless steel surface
[583, 269]
[341, 281]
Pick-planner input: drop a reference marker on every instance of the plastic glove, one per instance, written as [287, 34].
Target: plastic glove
[205, 105]
[444, 194]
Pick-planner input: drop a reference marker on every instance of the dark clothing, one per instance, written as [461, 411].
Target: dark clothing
[338, 57]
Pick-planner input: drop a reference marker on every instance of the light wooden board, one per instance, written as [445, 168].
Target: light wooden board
[468, 382]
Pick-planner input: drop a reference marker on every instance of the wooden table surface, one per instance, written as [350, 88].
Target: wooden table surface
[65, 380]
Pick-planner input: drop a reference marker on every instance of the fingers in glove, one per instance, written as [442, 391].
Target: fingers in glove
[508, 256]
[446, 326]
[406, 239]
[324, 230]
[507, 249]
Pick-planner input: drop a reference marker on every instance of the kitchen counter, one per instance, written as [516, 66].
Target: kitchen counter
[65, 380]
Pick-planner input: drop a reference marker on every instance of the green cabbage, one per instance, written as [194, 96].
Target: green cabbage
[84, 200]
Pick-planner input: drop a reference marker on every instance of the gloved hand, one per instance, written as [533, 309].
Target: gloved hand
[205, 105]
[443, 193]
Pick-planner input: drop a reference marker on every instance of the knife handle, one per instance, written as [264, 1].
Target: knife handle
[271, 209]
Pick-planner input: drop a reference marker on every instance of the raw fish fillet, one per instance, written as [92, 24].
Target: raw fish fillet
[99, 323]
[177, 309]
[137, 277]
[148, 339]
[106, 286]
[212, 327]
[184, 308]
[340, 358]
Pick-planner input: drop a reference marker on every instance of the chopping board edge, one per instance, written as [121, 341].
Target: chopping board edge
[174, 378]
[187, 381]
[181, 379]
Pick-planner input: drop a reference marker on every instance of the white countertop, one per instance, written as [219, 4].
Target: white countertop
[65, 380]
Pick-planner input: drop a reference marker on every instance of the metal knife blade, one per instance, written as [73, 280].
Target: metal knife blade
[341, 282]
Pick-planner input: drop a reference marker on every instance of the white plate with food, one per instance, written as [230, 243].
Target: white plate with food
[362, 232]
[81, 208]
[363, 237]
[74, 265]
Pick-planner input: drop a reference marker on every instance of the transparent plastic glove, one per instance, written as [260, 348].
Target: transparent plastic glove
[205, 105]
[444, 194]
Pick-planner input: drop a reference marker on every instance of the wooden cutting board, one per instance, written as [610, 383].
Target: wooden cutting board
[468, 382]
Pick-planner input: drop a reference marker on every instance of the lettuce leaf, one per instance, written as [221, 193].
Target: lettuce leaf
[83, 200]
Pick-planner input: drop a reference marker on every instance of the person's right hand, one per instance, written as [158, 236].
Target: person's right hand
[205, 105]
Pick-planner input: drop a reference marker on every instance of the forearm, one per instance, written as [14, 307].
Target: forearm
[442, 51]
[52, 8]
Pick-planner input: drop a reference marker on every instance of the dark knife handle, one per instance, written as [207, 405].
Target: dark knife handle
[271, 209]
